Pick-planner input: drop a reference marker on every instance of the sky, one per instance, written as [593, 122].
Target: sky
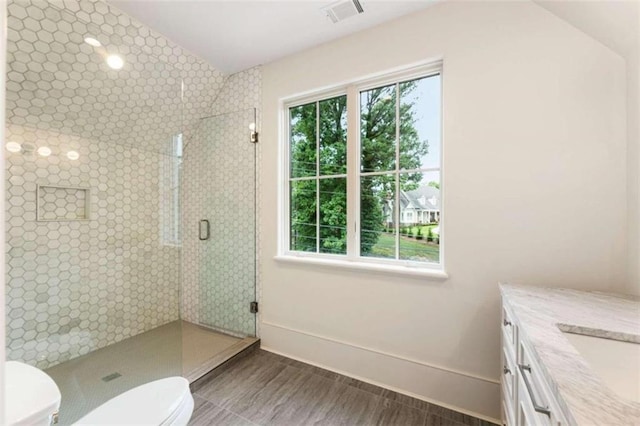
[427, 101]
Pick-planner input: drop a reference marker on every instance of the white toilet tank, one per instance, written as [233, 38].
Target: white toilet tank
[32, 398]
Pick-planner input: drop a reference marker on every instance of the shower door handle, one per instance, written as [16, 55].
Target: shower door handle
[203, 230]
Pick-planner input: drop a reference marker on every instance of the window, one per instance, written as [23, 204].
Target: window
[318, 183]
[363, 172]
[170, 192]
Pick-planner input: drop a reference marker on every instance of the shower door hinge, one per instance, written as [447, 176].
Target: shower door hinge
[253, 307]
[254, 137]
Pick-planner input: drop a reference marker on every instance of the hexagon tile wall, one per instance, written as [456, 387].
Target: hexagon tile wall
[75, 286]
[78, 285]
[57, 81]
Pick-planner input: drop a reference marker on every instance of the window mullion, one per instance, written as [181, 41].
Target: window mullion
[353, 167]
[398, 217]
[318, 177]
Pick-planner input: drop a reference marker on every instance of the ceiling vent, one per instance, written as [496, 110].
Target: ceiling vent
[342, 10]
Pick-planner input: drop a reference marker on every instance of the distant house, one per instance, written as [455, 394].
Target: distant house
[420, 206]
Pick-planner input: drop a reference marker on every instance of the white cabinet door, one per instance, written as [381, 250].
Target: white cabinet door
[526, 398]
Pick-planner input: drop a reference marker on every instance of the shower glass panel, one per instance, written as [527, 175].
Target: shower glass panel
[225, 222]
[108, 173]
[92, 219]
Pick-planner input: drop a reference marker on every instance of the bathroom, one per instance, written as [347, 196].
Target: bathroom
[197, 191]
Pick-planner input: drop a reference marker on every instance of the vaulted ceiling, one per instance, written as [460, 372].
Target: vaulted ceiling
[615, 23]
[235, 35]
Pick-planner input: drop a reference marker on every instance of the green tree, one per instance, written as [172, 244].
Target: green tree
[305, 162]
[378, 133]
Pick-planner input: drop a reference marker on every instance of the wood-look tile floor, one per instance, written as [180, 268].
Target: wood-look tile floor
[267, 389]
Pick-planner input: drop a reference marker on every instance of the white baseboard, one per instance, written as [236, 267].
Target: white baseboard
[468, 394]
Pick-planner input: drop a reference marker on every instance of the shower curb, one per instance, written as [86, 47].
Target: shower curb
[216, 371]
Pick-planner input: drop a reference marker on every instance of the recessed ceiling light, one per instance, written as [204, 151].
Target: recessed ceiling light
[73, 155]
[92, 41]
[115, 62]
[13, 147]
[45, 151]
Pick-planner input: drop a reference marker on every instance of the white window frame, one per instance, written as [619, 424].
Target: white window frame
[352, 258]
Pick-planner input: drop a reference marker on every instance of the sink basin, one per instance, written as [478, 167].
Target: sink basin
[617, 363]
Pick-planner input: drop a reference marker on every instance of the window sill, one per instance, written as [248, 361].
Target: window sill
[415, 271]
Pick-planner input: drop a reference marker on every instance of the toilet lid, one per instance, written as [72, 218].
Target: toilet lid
[30, 394]
[149, 404]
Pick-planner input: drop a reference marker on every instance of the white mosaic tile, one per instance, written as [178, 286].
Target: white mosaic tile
[58, 82]
[75, 286]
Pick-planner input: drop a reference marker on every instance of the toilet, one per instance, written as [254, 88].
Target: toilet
[33, 399]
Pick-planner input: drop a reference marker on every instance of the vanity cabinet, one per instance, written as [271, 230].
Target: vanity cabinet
[526, 396]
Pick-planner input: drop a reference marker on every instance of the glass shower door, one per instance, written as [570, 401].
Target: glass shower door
[227, 228]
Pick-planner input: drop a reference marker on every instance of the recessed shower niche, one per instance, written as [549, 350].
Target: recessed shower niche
[62, 203]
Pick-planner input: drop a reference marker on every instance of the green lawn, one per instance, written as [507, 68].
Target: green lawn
[410, 248]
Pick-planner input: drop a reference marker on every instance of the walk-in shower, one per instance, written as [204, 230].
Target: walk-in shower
[113, 166]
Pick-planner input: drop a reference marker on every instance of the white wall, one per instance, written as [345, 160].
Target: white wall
[534, 137]
[633, 130]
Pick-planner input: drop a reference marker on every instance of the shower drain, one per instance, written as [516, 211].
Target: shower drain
[111, 377]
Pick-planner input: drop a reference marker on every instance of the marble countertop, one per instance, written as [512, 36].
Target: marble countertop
[542, 313]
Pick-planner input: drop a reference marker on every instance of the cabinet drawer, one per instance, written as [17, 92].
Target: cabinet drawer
[509, 376]
[533, 393]
[527, 367]
[508, 410]
[509, 329]
[526, 415]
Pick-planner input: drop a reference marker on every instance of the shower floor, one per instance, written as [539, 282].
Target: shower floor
[179, 348]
